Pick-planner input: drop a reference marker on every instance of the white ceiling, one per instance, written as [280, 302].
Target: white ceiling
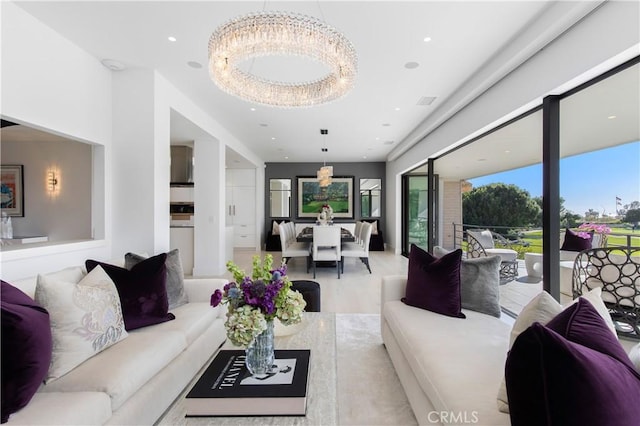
[365, 123]
[381, 113]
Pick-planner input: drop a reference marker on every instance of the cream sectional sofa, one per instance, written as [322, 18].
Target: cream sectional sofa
[136, 380]
[450, 368]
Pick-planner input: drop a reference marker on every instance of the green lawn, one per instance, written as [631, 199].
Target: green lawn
[316, 206]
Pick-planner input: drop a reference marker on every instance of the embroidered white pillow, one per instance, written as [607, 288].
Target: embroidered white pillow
[85, 316]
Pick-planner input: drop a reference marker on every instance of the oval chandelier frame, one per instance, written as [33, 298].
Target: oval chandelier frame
[281, 33]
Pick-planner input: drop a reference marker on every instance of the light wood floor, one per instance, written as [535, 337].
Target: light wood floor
[356, 291]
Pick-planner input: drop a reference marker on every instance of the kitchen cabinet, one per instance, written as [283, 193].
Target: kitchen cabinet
[241, 206]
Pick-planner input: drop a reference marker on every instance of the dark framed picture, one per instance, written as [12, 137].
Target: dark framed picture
[12, 190]
[339, 195]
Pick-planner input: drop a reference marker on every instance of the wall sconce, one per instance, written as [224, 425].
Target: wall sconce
[52, 181]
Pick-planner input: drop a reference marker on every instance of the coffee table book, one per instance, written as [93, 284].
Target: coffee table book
[226, 388]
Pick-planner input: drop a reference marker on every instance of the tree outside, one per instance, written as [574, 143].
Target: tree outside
[499, 204]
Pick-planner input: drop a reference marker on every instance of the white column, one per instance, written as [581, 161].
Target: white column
[209, 256]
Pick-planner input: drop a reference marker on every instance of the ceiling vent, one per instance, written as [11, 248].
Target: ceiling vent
[426, 100]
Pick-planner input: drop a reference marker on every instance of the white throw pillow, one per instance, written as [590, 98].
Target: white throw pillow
[275, 229]
[374, 227]
[543, 308]
[85, 315]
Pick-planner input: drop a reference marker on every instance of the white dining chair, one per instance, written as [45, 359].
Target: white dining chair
[290, 247]
[326, 246]
[361, 249]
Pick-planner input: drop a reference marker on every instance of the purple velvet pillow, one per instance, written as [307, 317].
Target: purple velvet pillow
[26, 348]
[434, 283]
[571, 372]
[574, 242]
[142, 291]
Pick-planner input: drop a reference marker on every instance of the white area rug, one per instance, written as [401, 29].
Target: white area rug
[369, 390]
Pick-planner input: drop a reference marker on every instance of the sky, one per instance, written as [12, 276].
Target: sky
[587, 181]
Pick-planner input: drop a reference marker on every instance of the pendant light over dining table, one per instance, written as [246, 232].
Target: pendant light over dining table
[325, 173]
[275, 34]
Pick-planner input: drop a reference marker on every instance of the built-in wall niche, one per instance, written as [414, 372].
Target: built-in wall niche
[58, 179]
[280, 198]
[370, 197]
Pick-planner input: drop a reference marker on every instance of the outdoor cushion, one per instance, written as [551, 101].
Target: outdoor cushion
[434, 283]
[574, 242]
[484, 238]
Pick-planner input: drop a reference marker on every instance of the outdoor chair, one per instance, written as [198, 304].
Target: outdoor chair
[481, 243]
[617, 272]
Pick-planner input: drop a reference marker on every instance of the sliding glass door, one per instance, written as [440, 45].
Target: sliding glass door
[415, 210]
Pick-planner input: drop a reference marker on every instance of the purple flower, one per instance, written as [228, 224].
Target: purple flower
[216, 297]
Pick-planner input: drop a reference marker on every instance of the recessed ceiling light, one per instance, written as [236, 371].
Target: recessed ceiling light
[252, 109]
[364, 157]
[427, 39]
[273, 138]
[194, 64]
[611, 117]
[386, 124]
[286, 158]
[411, 65]
[397, 108]
[172, 38]
[482, 159]
[377, 139]
[389, 142]
[263, 125]
[506, 151]
[112, 64]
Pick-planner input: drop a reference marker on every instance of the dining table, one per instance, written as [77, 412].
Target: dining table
[306, 235]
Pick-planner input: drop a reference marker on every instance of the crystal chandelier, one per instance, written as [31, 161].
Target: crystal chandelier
[325, 173]
[281, 33]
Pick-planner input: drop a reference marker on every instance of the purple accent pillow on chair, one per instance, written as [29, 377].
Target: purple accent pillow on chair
[142, 291]
[573, 371]
[434, 283]
[26, 348]
[574, 242]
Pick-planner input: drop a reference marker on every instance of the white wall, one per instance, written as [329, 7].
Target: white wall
[605, 38]
[64, 214]
[51, 84]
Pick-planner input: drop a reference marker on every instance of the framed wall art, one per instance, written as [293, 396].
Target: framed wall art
[12, 190]
[339, 195]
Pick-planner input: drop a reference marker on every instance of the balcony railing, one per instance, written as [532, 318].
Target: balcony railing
[529, 240]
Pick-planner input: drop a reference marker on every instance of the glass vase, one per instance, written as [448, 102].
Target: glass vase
[259, 353]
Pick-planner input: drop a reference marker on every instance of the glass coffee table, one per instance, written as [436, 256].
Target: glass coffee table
[317, 332]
